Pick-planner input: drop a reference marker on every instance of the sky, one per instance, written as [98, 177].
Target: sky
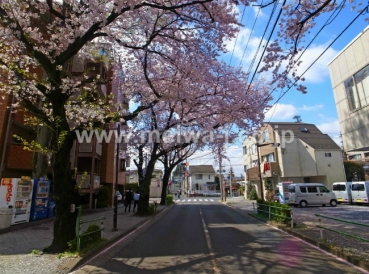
[317, 106]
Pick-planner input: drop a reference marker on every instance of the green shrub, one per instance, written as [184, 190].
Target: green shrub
[354, 171]
[252, 195]
[169, 199]
[103, 197]
[280, 213]
[91, 235]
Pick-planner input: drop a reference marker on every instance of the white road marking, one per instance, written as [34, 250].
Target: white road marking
[211, 250]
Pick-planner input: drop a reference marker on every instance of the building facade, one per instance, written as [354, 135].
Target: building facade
[291, 152]
[201, 179]
[349, 73]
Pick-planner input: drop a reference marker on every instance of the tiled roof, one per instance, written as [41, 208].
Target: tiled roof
[201, 169]
[311, 136]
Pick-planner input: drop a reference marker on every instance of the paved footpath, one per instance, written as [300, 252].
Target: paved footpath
[17, 242]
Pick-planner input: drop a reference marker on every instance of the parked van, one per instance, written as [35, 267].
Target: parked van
[360, 192]
[342, 190]
[304, 194]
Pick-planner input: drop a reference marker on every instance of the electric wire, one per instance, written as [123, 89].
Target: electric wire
[366, 9]
[252, 30]
[261, 41]
[235, 42]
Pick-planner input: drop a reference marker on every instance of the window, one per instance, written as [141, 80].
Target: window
[304, 129]
[291, 189]
[265, 136]
[355, 157]
[245, 168]
[358, 187]
[198, 176]
[339, 187]
[357, 89]
[366, 154]
[303, 189]
[244, 150]
[328, 154]
[312, 189]
[323, 189]
[255, 163]
[209, 177]
[270, 157]
[253, 148]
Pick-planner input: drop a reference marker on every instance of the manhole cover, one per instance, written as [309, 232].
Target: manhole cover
[40, 228]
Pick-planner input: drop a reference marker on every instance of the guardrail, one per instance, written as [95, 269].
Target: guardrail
[340, 232]
[270, 213]
[80, 222]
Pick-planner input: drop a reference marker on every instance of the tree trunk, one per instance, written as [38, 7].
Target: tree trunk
[145, 182]
[165, 186]
[65, 191]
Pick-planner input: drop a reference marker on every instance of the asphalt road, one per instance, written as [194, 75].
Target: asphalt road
[208, 237]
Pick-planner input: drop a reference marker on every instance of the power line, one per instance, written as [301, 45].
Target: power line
[270, 36]
[252, 30]
[235, 42]
[362, 12]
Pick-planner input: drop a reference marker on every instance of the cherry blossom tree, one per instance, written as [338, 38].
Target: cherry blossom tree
[168, 50]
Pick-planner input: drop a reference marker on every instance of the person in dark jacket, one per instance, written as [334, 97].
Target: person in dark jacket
[129, 196]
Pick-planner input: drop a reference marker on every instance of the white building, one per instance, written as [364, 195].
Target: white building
[201, 179]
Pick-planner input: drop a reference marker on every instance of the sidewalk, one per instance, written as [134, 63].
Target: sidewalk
[17, 242]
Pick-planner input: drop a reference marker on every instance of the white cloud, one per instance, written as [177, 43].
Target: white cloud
[281, 112]
[332, 129]
[319, 71]
[311, 108]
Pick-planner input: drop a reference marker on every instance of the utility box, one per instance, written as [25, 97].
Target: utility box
[6, 215]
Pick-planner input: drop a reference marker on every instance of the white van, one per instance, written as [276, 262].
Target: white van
[304, 194]
[360, 192]
[342, 190]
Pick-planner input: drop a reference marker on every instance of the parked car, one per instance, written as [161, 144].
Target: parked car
[119, 196]
[342, 190]
[360, 192]
[304, 194]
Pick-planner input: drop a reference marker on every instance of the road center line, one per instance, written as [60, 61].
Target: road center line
[210, 247]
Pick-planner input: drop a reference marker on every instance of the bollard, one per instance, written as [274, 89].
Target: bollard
[320, 229]
[291, 219]
[102, 223]
[269, 212]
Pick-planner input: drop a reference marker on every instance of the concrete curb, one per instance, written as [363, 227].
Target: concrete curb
[150, 220]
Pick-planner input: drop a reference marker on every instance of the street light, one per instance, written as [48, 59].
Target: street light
[275, 145]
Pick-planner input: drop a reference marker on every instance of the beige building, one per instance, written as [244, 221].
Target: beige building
[292, 152]
[349, 72]
[156, 184]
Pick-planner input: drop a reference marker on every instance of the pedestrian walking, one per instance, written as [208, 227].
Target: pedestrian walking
[129, 196]
[136, 198]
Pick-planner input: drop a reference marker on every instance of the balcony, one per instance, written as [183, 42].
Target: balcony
[253, 172]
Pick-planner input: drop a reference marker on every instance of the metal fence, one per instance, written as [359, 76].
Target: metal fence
[337, 231]
[80, 223]
[271, 212]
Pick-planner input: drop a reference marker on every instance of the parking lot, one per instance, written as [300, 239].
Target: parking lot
[306, 223]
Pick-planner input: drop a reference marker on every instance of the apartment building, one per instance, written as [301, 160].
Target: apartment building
[291, 152]
[349, 73]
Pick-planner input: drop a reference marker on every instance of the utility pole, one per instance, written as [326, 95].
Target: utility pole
[116, 183]
[220, 179]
